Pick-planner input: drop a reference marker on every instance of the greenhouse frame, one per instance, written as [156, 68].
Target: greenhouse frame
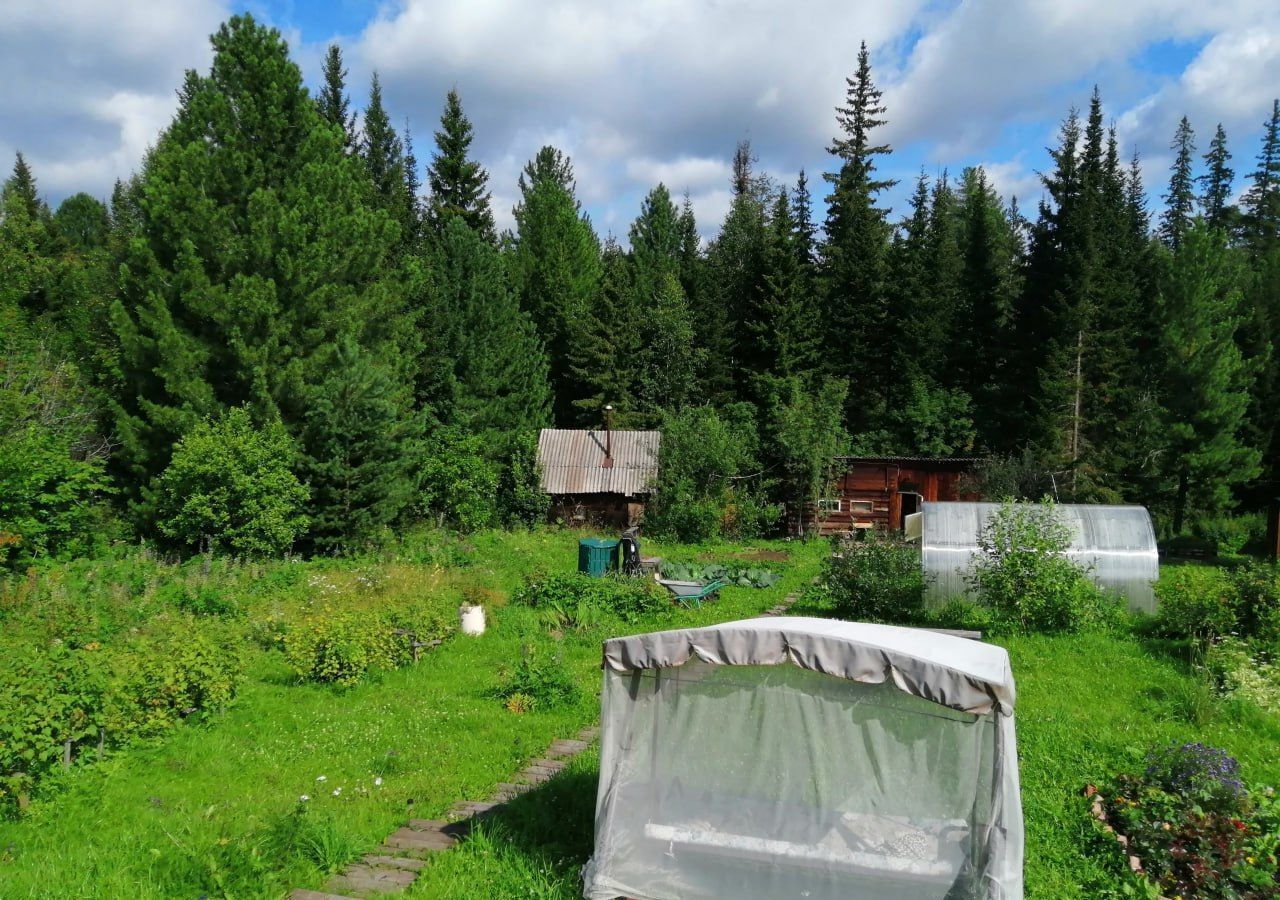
[1116, 545]
[802, 757]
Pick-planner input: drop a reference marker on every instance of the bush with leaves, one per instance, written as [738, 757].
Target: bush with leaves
[1196, 602]
[1257, 587]
[539, 680]
[342, 646]
[875, 579]
[229, 487]
[457, 481]
[1022, 572]
[521, 498]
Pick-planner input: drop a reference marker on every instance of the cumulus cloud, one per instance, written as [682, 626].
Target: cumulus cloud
[89, 84]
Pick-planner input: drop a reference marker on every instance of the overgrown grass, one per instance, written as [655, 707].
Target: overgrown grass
[215, 809]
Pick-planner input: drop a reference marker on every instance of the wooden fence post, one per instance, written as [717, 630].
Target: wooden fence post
[66, 754]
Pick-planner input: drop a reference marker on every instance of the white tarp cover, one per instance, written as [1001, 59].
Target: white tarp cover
[1117, 544]
[807, 758]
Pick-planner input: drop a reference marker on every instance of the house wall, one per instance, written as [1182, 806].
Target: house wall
[605, 510]
[870, 494]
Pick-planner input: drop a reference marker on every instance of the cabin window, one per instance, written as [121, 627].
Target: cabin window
[829, 505]
[865, 507]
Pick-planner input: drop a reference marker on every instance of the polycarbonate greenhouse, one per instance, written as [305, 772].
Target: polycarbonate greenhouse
[799, 757]
[1116, 543]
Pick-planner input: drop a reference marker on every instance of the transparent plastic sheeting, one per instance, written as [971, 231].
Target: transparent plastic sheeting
[764, 782]
[1116, 543]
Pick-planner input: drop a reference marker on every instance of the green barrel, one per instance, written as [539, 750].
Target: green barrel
[596, 556]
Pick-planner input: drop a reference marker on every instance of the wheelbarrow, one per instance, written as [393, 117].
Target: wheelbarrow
[691, 593]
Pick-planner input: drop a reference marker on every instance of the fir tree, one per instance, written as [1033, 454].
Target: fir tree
[783, 335]
[499, 367]
[1181, 200]
[1216, 183]
[1207, 380]
[1261, 202]
[806, 231]
[22, 184]
[459, 185]
[383, 156]
[555, 267]
[333, 103]
[854, 259]
[603, 358]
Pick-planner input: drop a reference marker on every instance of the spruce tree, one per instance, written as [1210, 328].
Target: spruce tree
[256, 251]
[1216, 183]
[499, 367]
[1180, 202]
[333, 103]
[806, 231]
[555, 267]
[854, 257]
[459, 185]
[604, 357]
[782, 336]
[383, 156]
[1206, 378]
[22, 184]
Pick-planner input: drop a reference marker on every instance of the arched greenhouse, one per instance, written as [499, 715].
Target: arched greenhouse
[1117, 544]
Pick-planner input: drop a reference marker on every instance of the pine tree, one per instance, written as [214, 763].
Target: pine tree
[854, 259]
[256, 251]
[1181, 200]
[1216, 183]
[383, 156]
[555, 267]
[333, 103]
[459, 185]
[1206, 378]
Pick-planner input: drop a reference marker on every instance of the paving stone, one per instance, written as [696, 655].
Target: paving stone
[376, 880]
[408, 839]
[563, 747]
[408, 863]
[553, 764]
[456, 830]
[300, 894]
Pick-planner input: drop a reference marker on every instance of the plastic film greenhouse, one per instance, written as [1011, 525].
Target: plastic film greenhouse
[798, 757]
[1117, 545]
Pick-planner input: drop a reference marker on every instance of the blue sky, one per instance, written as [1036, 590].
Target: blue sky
[638, 91]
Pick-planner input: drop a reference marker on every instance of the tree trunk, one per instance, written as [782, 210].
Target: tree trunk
[1180, 502]
[1075, 412]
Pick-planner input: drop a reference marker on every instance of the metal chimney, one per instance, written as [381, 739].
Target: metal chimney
[608, 436]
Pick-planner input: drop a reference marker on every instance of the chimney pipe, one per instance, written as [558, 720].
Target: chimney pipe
[608, 436]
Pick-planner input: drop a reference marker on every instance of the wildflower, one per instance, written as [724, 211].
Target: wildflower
[321, 778]
[303, 799]
[377, 782]
[337, 792]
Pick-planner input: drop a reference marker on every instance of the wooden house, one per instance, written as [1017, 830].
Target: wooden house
[881, 491]
[600, 477]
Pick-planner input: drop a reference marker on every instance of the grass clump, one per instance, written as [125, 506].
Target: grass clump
[572, 601]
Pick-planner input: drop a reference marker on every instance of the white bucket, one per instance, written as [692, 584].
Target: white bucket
[471, 619]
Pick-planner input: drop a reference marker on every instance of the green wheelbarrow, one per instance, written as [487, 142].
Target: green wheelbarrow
[691, 593]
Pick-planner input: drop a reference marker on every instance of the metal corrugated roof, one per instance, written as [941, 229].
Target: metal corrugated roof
[910, 459]
[571, 461]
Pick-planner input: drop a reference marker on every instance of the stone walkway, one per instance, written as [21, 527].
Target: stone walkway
[393, 866]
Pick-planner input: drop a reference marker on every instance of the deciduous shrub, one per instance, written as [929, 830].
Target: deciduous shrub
[229, 487]
[1196, 602]
[1257, 587]
[341, 646]
[1238, 668]
[876, 579]
[1022, 572]
[539, 680]
[457, 481]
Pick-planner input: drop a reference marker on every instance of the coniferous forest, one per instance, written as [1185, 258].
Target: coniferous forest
[273, 336]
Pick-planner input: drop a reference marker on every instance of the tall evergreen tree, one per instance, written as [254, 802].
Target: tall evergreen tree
[459, 185]
[383, 156]
[806, 230]
[1261, 202]
[854, 257]
[333, 102]
[1207, 379]
[1180, 202]
[22, 184]
[555, 267]
[499, 367]
[256, 253]
[1216, 183]
[604, 357]
[782, 327]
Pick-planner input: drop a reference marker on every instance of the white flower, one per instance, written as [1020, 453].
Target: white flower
[303, 799]
[337, 792]
[377, 782]
[321, 778]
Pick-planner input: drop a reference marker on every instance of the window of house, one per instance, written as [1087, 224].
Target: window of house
[829, 505]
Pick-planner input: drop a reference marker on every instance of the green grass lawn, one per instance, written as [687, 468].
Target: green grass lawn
[1088, 705]
[214, 809]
